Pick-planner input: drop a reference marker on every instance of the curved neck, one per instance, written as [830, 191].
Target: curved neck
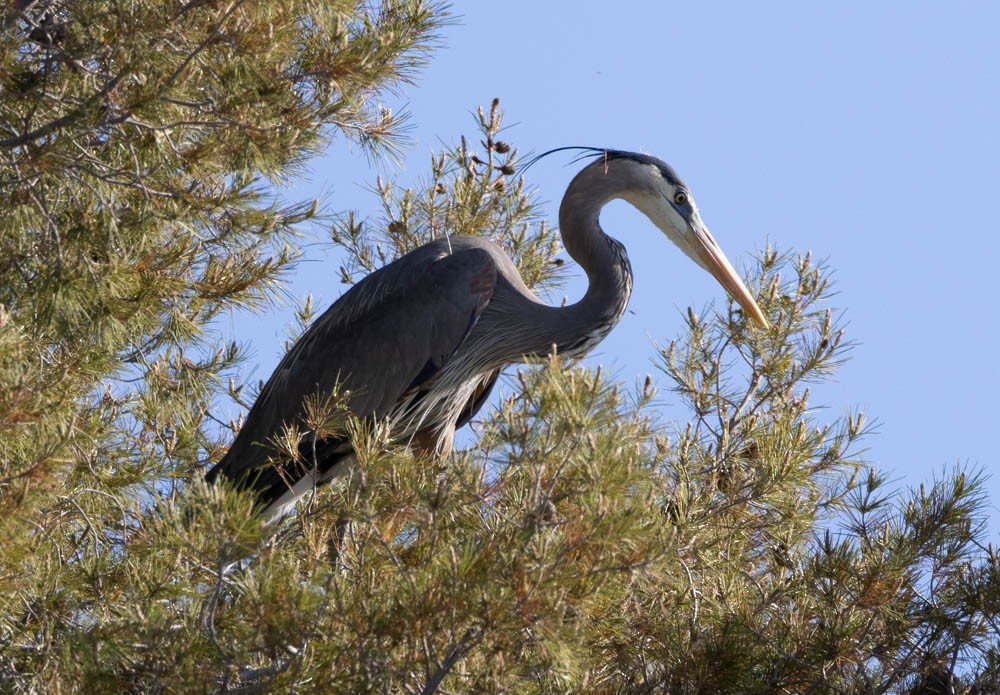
[579, 225]
[577, 328]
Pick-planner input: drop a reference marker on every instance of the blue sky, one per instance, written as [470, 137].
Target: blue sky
[867, 133]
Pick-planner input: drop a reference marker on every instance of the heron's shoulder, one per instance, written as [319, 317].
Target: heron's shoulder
[496, 252]
[397, 278]
[476, 250]
[410, 267]
[421, 257]
[461, 242]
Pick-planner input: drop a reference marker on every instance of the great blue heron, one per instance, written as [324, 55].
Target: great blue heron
[422, 340]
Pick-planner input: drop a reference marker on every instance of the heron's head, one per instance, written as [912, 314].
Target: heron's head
[653, 187]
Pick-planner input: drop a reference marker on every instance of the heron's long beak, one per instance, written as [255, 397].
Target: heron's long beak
[715, 262]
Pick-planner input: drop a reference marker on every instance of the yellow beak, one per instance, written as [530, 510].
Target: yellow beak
[714, 261]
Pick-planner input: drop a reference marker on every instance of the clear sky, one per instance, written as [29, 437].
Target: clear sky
[865, 132]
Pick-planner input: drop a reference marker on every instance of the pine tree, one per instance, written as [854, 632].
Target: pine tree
[583, 542]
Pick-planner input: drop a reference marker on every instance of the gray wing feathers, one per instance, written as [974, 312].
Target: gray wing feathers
[403, 321]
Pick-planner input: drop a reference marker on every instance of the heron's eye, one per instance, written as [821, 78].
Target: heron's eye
[680, 197]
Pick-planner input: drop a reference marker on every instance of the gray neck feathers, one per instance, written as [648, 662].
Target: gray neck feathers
[583, 324]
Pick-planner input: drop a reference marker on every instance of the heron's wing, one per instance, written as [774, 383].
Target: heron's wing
[389, 333]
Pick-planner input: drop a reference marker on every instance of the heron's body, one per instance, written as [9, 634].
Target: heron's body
[421, 342]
